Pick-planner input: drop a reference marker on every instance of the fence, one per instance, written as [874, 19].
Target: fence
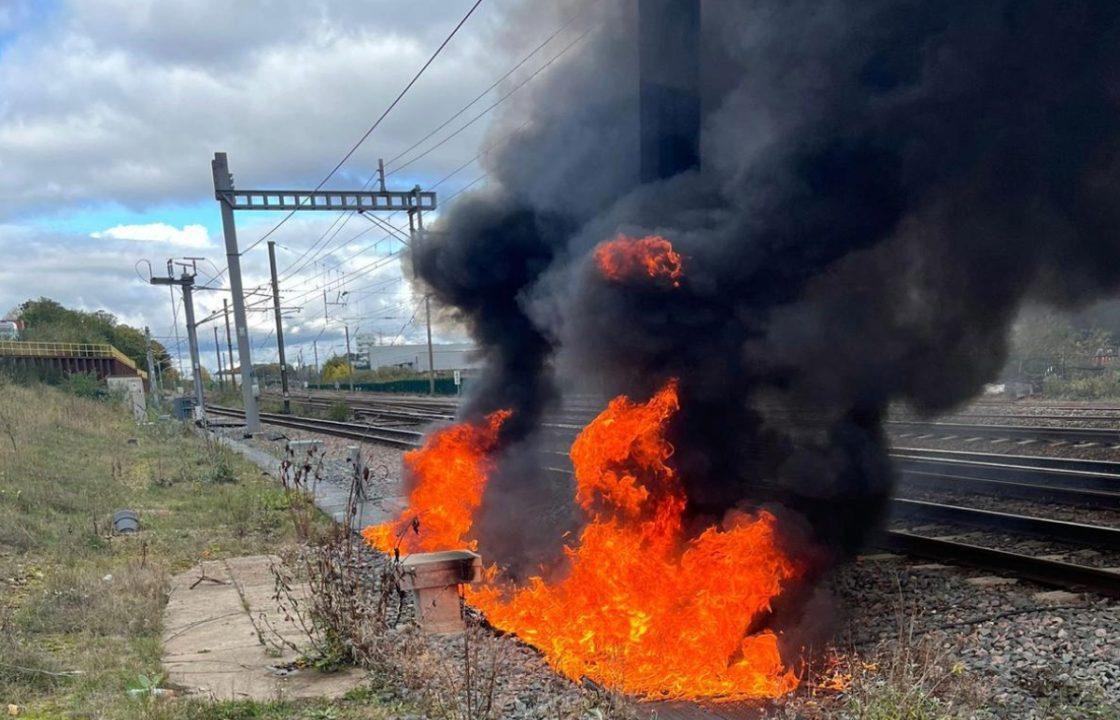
[444, 386]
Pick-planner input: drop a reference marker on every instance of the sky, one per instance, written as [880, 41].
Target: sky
[111, 110]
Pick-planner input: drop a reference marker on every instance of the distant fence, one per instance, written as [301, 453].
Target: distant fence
[444, 386]
[102, 359]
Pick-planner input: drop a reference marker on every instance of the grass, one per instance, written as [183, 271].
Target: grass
[339, 412]
[80, 609]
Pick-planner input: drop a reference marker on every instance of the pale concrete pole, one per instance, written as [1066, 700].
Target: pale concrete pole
[279, 325]
[151, 367]
[192, 339]
[431, 355]
[223, 182]
[229, 343]
[218, 354]
[349, 364]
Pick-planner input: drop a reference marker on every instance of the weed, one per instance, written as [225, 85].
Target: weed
[910, 678]
[343, 615]
[1092, 387]
[220, 462]
[81, 628]
[339, 412]
[84, 385]
[145, 687]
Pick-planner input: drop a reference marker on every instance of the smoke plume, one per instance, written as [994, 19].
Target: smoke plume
[882, 184]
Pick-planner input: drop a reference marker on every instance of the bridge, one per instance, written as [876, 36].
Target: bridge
[103, 360]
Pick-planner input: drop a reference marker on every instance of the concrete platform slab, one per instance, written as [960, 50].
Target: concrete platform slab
[212, 647]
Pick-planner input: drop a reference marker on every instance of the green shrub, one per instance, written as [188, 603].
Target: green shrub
[1091, 387]
[339, 412]
[84, 385]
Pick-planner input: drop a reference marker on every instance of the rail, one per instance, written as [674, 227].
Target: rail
[1074, 482]
[23, 348]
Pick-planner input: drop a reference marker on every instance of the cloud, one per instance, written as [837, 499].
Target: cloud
[190, 236]
[102, 274]
[126, 101]
[120, 104]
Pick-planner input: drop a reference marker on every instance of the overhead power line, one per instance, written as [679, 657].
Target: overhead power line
[485, 92]
[492, 105]
[400, 230]
[377, 122]
[288, 271]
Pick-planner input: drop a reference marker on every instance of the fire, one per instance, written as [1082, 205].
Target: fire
[450, 473]
[643, 606]
[644, 609]
[626, 257]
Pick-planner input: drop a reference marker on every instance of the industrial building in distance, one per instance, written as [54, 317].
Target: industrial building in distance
[448, 356]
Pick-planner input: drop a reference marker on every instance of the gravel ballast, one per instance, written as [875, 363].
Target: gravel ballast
[1019, 654]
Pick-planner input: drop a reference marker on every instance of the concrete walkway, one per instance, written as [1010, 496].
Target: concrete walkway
[212, 647]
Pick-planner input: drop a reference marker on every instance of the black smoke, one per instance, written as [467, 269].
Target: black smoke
[882, 185]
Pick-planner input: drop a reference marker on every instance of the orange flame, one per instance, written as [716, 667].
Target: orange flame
[625, 257]
[450, 473]
[643, 608]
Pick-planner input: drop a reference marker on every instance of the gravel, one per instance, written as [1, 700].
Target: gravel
[1027, 415]
[384, 461]
[1016, 654]
[1015, 506]
[1028, 657]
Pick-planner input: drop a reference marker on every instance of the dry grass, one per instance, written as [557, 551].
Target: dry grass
[909, 682]
[80, 609]
[359, 618]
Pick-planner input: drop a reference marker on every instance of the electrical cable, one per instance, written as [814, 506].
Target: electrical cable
[493, 105]
[447, 122]
[377, 122]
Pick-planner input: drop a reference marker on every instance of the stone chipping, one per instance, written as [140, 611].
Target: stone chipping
[1021, 650]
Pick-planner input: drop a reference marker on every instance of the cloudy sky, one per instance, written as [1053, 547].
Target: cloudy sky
[111, 110]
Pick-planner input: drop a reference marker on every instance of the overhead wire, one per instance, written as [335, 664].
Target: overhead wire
[334, 230]
[407, 323]
[485, 92]
[350, 276]
[349, 214]
[493, 105]
[377, 122]
[396, 101]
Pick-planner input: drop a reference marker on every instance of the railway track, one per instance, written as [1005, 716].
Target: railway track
[423, 411]
[912, 429]
[352, 431]
[1089, 483]
[1084, 483]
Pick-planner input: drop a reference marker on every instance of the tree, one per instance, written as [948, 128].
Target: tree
[46, 320]
[336, 369]
[1043, 333]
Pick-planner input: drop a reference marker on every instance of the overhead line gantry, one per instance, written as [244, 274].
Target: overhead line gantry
[230, 199]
